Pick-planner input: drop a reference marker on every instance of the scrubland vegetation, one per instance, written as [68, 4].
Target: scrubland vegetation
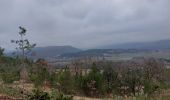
[22, 78]
[104, 80]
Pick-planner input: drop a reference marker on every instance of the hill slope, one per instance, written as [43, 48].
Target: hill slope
[102, 52]
[53, 51]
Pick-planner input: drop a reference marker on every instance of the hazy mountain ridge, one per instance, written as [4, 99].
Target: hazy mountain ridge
[69, 51]
[123, 48]
[155, 45]
[102, 52]
[53, 51]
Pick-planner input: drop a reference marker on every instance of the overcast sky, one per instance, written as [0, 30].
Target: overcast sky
[84, 23]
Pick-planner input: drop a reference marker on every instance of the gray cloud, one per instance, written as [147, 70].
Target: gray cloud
[85, 23]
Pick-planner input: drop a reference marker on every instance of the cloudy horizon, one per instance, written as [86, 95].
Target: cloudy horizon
[84, 23]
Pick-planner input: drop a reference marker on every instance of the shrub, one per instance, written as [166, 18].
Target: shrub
[66, 81]
[38, 75]
[10, 77]
[14, 92]
[150, 87]
[56, 95]
[92, 83]
[38, 95]
[111, 79]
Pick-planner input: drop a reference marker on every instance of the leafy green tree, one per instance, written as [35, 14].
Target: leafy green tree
[93, 82]
[133, 79]
[153, 75]
[66, 81]
[150, 87]
[111, 79]
[39, 75]
[53, 79]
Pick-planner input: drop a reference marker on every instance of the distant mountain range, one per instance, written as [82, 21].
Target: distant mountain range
[101, 52]
[53, 51]
[123, 48]
[156, 45]
[69, 51]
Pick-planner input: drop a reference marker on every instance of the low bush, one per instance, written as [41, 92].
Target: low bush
[14, 92]
[38, 95]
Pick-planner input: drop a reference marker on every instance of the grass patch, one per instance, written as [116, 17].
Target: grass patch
[10, 91]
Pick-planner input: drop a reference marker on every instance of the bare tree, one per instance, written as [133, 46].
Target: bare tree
[1, 51]
[23, 44]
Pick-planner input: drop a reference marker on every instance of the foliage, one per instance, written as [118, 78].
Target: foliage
[15, 92]
[38, 95]
[38, 75]
[92, 83]
[10, 77]
[66, 81]
[9, 72]
[52, 79]
[56, 95]
[133, 80]
[153, 76]
[128, 79]
[111, 79]
[150, 87]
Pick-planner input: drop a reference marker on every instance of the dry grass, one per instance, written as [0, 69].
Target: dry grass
[163, 95]
[86, 98]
